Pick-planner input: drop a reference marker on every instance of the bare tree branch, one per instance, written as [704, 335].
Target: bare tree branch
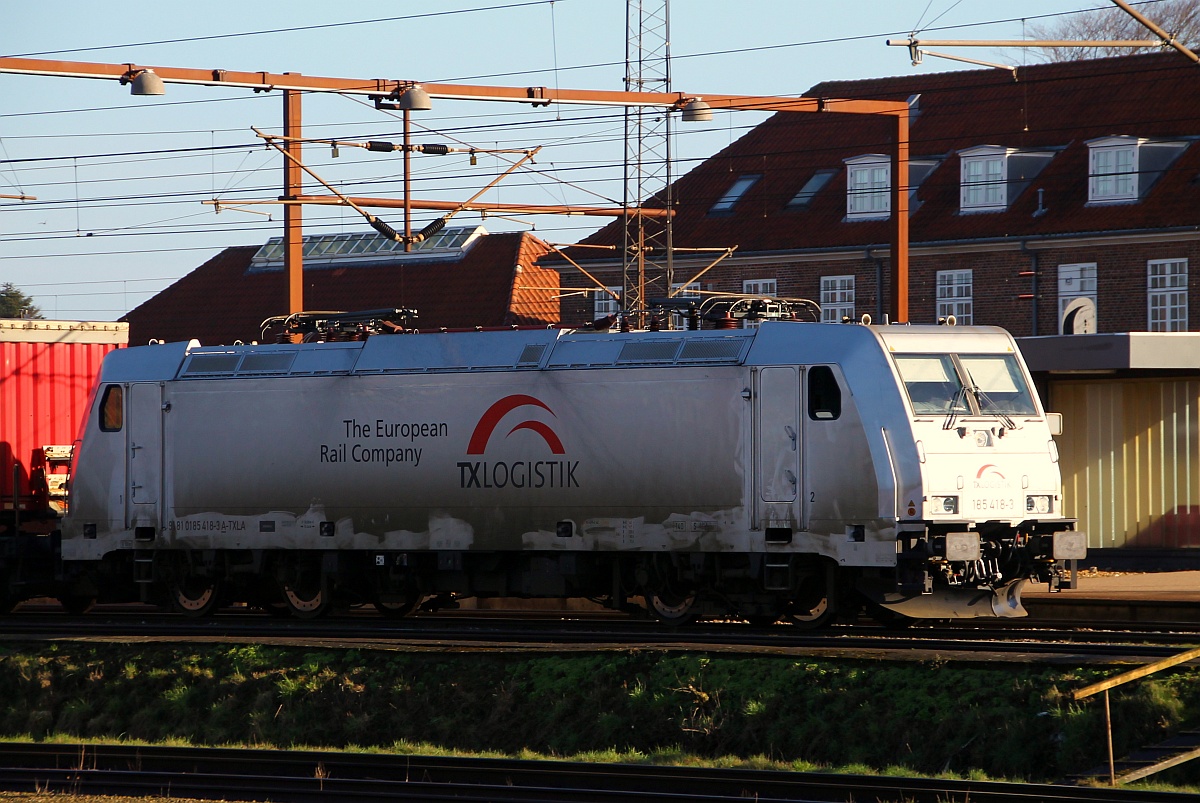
[1181, 18]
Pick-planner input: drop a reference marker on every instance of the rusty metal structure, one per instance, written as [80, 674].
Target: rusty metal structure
[647, 253]
[393, 90]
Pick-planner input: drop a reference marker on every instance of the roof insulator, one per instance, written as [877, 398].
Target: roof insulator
[385, 229]
[432, 229]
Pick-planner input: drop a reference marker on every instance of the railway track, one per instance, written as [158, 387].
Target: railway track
[489, 633]
[304, 776]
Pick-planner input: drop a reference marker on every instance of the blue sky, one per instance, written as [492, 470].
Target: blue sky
[108, 231]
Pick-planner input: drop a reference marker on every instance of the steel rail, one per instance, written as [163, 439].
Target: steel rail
[303, 776]
[487, 634]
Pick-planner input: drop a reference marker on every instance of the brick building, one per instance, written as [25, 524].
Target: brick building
[462, 278]
[1064, 197]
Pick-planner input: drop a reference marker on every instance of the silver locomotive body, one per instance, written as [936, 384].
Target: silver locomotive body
[790, 469]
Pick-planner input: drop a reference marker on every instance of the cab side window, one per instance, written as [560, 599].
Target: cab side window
[112, 409]
[824, 395]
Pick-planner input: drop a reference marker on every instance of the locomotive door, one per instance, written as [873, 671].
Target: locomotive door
[777, 436]
[145, 453]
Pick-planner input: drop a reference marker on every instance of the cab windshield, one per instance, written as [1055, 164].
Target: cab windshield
[933, 384]
[998, 384]
[966, 384]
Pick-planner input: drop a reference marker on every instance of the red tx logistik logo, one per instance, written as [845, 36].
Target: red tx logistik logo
[990, 476]
[491, 419]
[522, 473]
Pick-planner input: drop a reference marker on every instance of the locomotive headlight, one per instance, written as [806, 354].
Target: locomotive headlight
[945, 504]
[1038, 504]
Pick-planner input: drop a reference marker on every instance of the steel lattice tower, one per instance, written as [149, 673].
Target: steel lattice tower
[647, 263]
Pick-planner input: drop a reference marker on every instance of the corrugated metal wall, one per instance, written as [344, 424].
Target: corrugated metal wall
[44, 388]
[1130, 455]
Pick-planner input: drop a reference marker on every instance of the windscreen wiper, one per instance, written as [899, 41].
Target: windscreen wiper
[956, 404]
[987, 406]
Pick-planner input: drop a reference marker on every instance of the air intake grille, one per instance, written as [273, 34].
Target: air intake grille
[212, 363]
[649, 351]
[273, 363]
[701, 350]
[532, 354]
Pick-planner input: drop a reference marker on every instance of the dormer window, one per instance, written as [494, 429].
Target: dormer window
[868, 186]
[984, 178]
[1123, 169]
[734, 194]
[992, 177]
[1113, 169]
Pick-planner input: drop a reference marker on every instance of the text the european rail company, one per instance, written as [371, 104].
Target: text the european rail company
[387, 438]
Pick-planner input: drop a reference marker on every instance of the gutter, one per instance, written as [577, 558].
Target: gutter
[961, 246]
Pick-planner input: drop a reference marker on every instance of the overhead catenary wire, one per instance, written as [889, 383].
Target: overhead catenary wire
[204, 150]
[292, 29]
[132, 229]
[676, 56]
[373, 220]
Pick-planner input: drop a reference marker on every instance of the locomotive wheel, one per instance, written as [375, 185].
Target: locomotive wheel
[395, 597]
[306, 604]
[811, 607]
[305, 592]
[190, 593]
[399, 605]
[672, 608]
[395, 610]
[195, 596]
[810, 616]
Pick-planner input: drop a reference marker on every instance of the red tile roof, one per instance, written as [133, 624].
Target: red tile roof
[495, 283]
[1050, 106]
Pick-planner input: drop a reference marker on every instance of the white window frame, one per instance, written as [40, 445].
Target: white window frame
[837, 298]
[956, 295]
[1076, 280]
[1167, 295]
[604, 304]
[868, 187]
[760, 287]
[1113, 169]
[983, 173]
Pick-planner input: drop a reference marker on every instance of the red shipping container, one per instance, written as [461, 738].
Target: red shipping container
[47, 370]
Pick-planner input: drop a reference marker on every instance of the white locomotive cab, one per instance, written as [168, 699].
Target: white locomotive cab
[794, 470]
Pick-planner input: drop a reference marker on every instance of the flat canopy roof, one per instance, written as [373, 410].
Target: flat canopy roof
[37, 330]
[1123, 351]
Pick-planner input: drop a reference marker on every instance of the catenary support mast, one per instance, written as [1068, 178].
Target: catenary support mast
[647, 258]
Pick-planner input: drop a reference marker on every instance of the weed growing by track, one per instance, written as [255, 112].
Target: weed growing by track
[963, 720]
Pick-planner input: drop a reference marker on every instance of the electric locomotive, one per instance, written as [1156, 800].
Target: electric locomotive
[792, 470]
